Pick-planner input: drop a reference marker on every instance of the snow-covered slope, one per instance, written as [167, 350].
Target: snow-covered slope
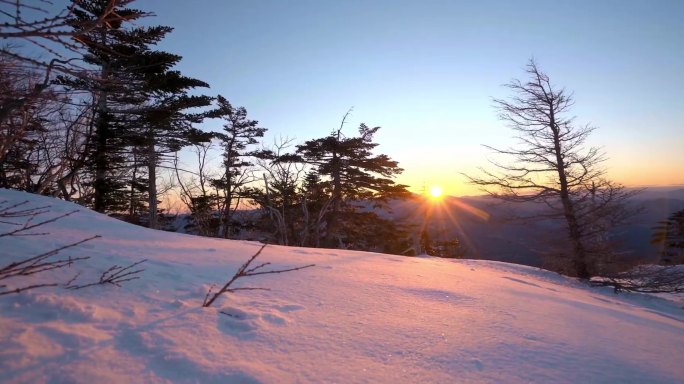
[355, 317]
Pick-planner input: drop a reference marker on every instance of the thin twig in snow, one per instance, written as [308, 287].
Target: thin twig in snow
[245, 271]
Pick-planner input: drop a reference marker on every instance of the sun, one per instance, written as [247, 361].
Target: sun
[436, 192]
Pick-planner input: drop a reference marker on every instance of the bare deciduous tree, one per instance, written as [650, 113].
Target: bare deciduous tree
[54, 37]
[51, 30]
[553, 164]
[194, 189]
[283, 174]
[41, 143]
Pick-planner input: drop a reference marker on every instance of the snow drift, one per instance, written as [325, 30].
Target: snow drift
[356, 317]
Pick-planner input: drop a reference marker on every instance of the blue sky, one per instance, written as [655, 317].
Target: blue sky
[426, 71]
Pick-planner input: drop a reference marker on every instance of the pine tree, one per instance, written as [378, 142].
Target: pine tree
[116, 52]
[140, 112]
[356, 176]
[167, 127]
[316, 199]
[238, 137]
[669, 234]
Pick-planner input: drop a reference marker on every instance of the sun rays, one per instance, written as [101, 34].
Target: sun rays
[436, 192]
[441, 217]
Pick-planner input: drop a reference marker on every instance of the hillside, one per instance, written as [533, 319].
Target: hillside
[353, 318]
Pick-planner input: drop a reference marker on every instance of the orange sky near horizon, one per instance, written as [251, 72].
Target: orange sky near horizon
[628, 175]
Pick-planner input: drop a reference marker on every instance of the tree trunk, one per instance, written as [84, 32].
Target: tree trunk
[101, 135]
[152, 180]
[331, 223]
[131, 195]
[579, 252]
[225, 213]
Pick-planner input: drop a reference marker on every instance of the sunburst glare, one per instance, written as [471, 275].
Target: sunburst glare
[436, 192]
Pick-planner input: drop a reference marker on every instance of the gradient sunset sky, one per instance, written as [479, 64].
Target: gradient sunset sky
[426, 71]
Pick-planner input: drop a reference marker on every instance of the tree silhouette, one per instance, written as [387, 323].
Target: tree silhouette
[670, 235]
[355, 174]
[552, 164]
[238, 137]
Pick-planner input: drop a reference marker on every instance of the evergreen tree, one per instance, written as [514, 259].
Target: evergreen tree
[669, 234]
[116, 52]
[315, 195]
[238, 137]
[356, 176]
[140, 112]
[167, 126]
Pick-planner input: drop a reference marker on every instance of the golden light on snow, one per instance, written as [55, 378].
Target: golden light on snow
[436, 192]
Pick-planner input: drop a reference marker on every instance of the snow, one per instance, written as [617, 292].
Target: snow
[353, 318]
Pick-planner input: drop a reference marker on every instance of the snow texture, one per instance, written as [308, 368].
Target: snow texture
[354, 318]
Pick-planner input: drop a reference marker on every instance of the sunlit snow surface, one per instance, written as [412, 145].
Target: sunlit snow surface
[356, 317]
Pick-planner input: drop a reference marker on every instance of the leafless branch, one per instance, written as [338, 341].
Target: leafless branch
[36, 264]
[245, 271]
[115, 275]
[646, 279]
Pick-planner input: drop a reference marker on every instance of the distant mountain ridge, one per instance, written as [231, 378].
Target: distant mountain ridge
[482, 224]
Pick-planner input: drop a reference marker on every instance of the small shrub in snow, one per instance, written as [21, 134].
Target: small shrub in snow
[646, 279]
[22, 219]
[115, 275]
[245, 271]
